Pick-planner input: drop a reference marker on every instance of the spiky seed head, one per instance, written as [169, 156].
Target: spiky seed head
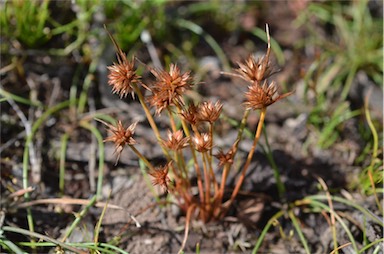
[261, 96]
[120, 136]
[169, 88]
[176, 140]
[255, 70]
[191, 114]
[160, 176]
[224, 158]
[122, 76]
[202, 142]
[210, 112]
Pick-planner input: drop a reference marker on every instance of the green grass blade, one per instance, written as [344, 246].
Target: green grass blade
[9, 245]
[276, 173]
[100, 143]
[265, 230]
[351, 204]
[20, 99]
[28, 142]
[79, 217]
[299, 231]
[208, 38]
[40, 236]
[339, 219]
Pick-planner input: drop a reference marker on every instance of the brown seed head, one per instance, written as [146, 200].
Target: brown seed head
[191, 114]
[169, 88]
[224, 158]
[258, 97]
[122, 75]
[255, 70]
[210, 112]
[121, 136]
[160, 175]
[203, 142]
[176, 141]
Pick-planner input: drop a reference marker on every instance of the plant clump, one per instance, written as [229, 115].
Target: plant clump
[167, 94]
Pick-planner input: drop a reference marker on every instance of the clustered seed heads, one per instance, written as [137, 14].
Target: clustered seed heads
[167, 93]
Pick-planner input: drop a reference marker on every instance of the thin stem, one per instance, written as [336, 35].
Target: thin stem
[207, 182]
[187, 222]
[150, 118]
[249, 158]
[79, 217]
[195, 162]
[241, 130]
[142, 157]
[171, 119]
[210, 161]
[222, 187]
[276, 173]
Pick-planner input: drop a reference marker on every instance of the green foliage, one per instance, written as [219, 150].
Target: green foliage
[26, 21]
[131, 18]
[357, 45]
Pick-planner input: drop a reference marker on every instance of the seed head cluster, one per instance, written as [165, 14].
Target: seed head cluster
[188, 129]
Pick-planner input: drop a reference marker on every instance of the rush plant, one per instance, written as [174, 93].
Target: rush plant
[196, 132]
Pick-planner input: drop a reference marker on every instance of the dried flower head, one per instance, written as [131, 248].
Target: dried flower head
[169, 88]
[160, 175]
[258, 97]
[120, 136]
[176, 141]
[210, 112]
[255, 70]
[202, 142]
[191, 114]
[122, 74]
[224, 158]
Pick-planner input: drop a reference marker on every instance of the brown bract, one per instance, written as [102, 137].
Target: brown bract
[160, 175]
[169, 88]
[121, 136]
[203, 142]
[176, 141]
[122, 75]
[261, 96]
[210, 112]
